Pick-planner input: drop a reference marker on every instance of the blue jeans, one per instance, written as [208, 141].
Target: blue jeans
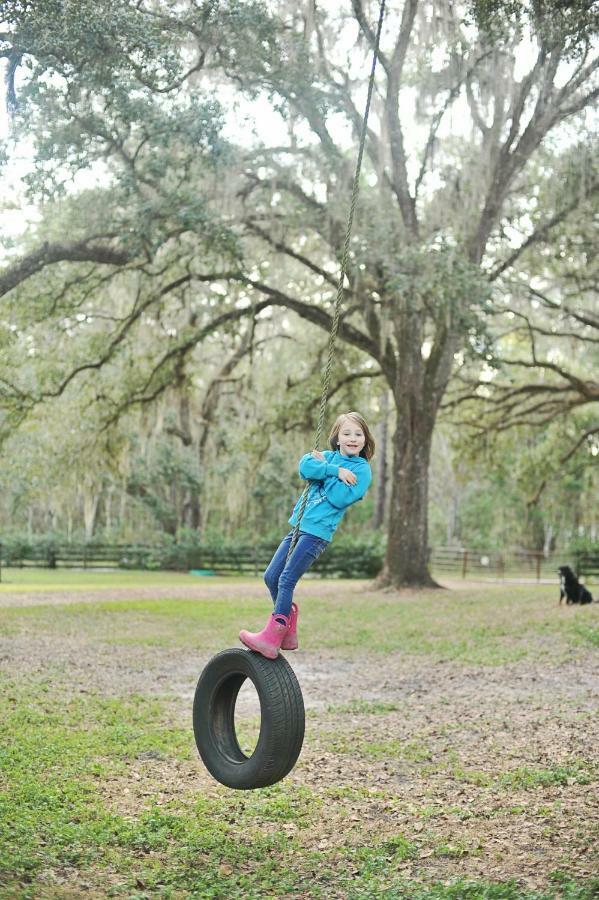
[281, 576]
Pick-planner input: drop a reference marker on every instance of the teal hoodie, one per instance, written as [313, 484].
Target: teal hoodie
[329, 497]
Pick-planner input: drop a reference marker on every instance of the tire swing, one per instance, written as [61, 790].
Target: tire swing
[281, 726]
[282, 721]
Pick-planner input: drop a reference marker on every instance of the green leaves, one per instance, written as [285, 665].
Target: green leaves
[554, 22]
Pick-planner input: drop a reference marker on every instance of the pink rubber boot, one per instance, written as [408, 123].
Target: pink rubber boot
[267, 641]
[290, 641]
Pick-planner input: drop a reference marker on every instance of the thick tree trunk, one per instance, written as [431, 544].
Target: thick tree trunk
[195, 518]
[419, 384]
[406, 562]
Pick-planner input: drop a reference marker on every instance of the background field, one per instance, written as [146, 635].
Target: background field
[451, 745]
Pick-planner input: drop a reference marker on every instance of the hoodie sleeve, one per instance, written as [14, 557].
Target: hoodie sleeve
[342, 495]
[316, 469]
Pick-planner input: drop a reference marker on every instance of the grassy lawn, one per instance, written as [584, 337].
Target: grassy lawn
[33, 579]
[451, 745]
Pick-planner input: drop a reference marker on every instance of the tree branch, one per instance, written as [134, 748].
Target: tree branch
[393, 69]
[585, 317]
[579, 443]
[47, 254]
[586, 388]
[475, 111]
[539, 233]
[369, 33]
[113, 345]
[399, 180]
[354, 376]
[333, 235]
[288, 251]
[517, 106]
[511, 161]
[313, 314]
[403, 39]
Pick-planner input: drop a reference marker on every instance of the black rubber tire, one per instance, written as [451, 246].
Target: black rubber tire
[282, 722]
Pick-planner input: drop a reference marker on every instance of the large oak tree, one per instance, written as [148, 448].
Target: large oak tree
[466, 96]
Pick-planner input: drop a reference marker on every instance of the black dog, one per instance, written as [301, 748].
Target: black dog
[571, 588]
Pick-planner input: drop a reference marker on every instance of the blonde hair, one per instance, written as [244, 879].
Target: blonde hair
[367, 451]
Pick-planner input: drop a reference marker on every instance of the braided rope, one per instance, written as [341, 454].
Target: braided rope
[326, 379]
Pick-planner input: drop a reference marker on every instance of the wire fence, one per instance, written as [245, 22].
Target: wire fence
[511, 564]
[496, 564]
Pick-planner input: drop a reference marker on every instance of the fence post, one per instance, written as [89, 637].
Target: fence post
[501, 567]
[464, 563]
[538, 566]
[0, 562]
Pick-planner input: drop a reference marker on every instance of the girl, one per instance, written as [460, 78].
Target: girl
[338, 478]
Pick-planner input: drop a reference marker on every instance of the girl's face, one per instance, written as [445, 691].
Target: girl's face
[351, 438]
